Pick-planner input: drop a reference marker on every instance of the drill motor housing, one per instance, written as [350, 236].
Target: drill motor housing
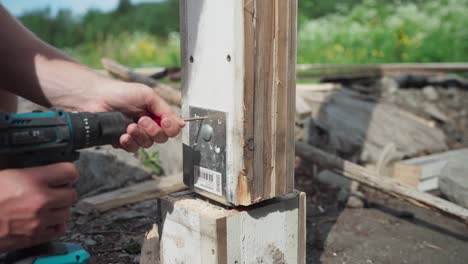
[41, 138]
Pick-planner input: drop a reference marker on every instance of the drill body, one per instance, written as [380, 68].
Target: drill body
[41, 138]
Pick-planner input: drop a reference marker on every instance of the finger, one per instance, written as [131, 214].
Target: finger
[154, 131]
[161, 138]
[149, 126]
[54, 175]
[61, 198]
[54, 217]
[49, 233]
[141, 138]
[128, 144]
[158, 107]
[171, 125]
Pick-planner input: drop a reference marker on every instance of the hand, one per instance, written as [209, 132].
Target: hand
[138, 101]
[34, 204]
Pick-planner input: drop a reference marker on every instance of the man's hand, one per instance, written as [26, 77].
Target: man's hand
[139, 102]
[34, 204]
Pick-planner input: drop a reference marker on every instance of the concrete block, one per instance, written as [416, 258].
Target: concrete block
[196, 231]
[453, 181]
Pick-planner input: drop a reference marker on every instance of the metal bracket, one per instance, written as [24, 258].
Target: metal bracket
[205, 157]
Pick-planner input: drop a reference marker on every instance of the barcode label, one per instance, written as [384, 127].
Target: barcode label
[208, 180]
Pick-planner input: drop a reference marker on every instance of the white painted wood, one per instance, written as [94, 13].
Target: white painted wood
[192, 231]
[238, 57]
[213, 30]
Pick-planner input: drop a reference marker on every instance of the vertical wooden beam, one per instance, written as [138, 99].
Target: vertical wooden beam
[255, 88]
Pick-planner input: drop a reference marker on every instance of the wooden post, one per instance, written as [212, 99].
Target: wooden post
[239, 58]
[198, 232]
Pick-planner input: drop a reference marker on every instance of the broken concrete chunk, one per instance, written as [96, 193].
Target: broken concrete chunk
[105, 168]
[453, 182]
[430, 93]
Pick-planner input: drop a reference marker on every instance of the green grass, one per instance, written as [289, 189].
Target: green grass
[134, 50]
[434, 31]
[371, 32]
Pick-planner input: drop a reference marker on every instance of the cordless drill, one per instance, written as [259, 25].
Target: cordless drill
[41, 138]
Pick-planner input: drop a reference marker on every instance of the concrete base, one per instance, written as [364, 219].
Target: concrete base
[196, 231]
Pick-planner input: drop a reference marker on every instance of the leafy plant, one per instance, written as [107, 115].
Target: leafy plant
[151, 161]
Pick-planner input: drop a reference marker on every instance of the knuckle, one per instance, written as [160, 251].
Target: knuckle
[34, 228]
[73, 196]
[71, 170]
[39, 202]
[132, 130]
[147, 144]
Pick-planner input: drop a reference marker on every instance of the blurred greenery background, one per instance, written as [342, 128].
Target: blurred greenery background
[337, 32]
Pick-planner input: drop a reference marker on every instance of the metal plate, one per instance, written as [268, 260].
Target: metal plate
[205, 157]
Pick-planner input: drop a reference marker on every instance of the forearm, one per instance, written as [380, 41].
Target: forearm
[41, 73]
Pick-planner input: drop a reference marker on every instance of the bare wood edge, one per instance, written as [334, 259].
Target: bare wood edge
[246, 178]
[221, 235]
[290, 159]
[150, 247]
[386, 185]
[302, 228]
[280, 122]
[171, 95]
[146, 190]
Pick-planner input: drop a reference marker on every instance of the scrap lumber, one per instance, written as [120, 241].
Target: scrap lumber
[248, 73]
[372, 71]
[168, 93]
[424, 172]
[150, 189]
[386, 185]
[346, 122]
[196, 231]
[150, 247]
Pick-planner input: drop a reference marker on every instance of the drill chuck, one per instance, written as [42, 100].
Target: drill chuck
[97, 129]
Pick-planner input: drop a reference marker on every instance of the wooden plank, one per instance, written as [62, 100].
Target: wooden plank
[377, 70]
[386, 185]
[150, 247]
[302, 229]
[147, 190]
[169, 94]
[199, 232]
[291, 94]
[255, 87]
[247, 174]
[423, 172]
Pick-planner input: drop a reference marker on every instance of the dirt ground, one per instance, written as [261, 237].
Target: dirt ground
[385, 230]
